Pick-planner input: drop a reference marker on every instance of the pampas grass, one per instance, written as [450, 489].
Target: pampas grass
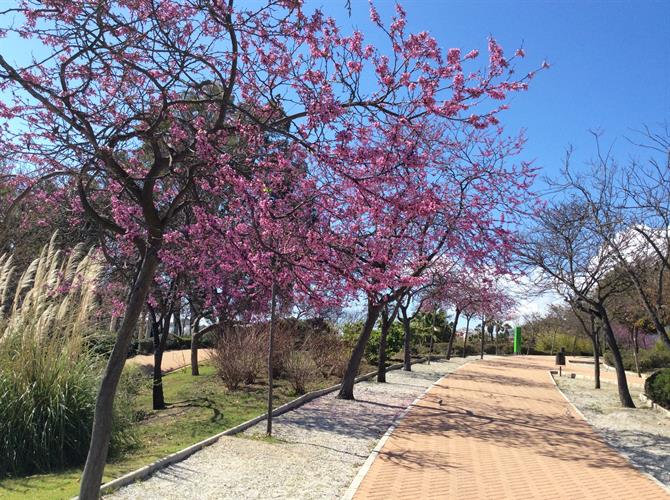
[48, 375]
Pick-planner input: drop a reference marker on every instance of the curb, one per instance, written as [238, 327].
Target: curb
[362, 472]
[602, 380]
[644, 473]
[650, 403]
[178, 456]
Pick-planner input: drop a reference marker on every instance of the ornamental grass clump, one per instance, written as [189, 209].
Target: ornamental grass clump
[48, 376]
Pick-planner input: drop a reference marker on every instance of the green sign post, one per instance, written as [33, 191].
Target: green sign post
[517, 340]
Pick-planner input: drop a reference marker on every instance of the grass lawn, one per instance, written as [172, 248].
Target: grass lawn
[198, 407]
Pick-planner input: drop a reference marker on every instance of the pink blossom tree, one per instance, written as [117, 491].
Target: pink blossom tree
[154, 109]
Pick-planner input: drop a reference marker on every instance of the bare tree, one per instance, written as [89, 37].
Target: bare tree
[629, 208]
[575, 261]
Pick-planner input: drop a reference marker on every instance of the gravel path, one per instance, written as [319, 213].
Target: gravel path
[315, 453]
[641, 434]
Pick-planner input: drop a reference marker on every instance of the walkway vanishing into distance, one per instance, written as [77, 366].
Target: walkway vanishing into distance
[500, 429]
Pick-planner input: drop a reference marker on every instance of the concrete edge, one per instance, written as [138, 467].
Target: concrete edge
[650, 403]
[363, 471]
[178, 456]
[644, 473]
[602, 380]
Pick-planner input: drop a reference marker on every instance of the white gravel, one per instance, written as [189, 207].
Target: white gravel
[641, 434]
[316, 451]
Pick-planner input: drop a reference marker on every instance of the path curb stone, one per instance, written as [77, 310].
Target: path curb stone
[147, 470]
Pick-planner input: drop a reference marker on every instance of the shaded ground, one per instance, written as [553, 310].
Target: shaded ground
[316, 451]
[500, 429]
[642, 434]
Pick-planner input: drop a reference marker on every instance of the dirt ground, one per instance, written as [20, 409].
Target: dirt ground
[172, 360]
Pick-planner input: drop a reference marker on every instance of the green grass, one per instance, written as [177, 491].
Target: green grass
[198, 407]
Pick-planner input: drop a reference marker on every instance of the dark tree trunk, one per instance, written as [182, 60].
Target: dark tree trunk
[349, 379]
[273, 306]
[622, 383]
[102, 421]
[161, 333]
[596, 360]
[407, 339]
[178, 328]
[481, 352]
[453, 334]
[195, 339]
[465, 338]
[636, 350]
[381, 357]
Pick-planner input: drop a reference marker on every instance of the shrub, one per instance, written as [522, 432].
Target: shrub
[300, 370]
[650, 359]
[239, 355]
[657, 387]
[330, 353]
[48, 375]
[47, 402]
[285, 339]
[394, 339]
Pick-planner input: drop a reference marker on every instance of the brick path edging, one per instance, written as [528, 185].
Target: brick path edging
[161, 463]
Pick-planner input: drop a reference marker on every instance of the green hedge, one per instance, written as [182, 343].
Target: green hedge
[657, 387]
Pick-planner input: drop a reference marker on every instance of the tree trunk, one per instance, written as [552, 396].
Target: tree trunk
[195, 368]
[553, 342]
[636, 350]
[178, 328]
[595, 339]
[102, 421]
[622, 383]
[349, 379]
[195, 327]
[161, 333]
[381, 357]
[453, 334]
[407, 361]
[481, 352]
[273, 306]
[574, 345]
[465, 339]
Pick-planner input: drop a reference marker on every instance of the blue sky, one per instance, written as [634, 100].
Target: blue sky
[610, 63]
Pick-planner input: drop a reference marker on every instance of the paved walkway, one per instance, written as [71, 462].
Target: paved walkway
[499, 429]
[317, 451]
[172, 360]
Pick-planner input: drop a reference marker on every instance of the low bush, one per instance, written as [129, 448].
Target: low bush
[47, 402]
[330, 353]
[300, 370]
[238, 355]
[657, 387]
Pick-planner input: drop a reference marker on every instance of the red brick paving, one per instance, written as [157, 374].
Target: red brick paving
[499, 429]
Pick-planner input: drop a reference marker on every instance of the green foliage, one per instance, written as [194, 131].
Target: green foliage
[650, 359]
[394, 339]
[48, 375]
[581, 346]
[47, 402]
[657, 387]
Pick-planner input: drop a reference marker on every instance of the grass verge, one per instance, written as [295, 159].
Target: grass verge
[198, 407]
